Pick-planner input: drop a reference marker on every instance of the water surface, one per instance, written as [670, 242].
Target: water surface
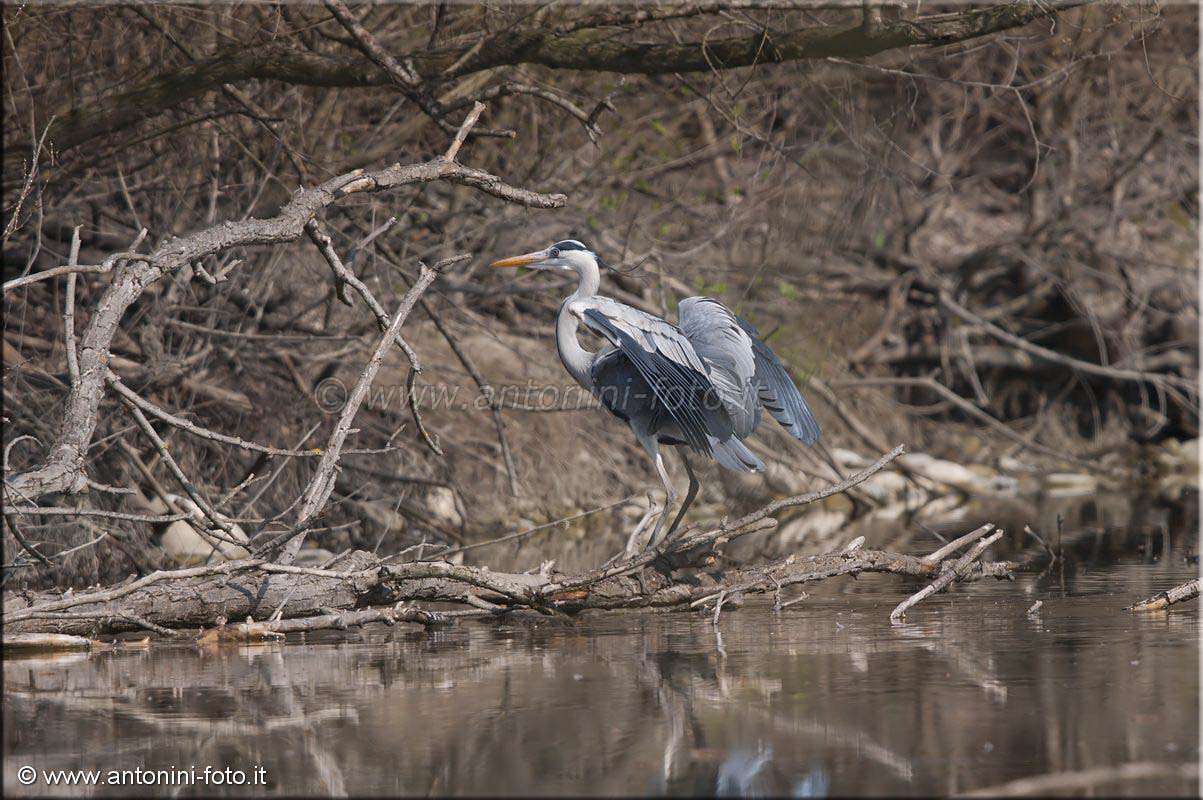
[823, 698]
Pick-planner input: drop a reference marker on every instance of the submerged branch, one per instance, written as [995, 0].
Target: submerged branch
[1187, 591]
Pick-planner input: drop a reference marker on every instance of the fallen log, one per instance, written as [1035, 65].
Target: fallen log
[197, 597]
[278, 598]
[353, 597]
[44, 643]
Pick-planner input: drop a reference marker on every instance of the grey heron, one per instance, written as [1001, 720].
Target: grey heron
[699, 384]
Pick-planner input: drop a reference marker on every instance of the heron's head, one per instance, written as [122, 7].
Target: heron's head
[568, 255]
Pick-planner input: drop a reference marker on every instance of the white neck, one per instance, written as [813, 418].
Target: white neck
[576, 359]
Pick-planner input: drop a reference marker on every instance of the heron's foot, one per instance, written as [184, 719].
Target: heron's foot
[657, 541]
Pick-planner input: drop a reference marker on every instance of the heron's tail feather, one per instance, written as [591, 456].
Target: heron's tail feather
[735, 455]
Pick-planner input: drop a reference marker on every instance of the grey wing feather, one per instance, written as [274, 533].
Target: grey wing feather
[652, 333]
[666, 360]
[727, 351]
[777, 391]
[735, 455]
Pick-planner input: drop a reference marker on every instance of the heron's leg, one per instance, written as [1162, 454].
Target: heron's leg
[690, 493]
[669, 499]
[632, 548]
[638, 540]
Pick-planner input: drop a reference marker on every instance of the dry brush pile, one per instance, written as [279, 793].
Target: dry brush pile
[972, 231]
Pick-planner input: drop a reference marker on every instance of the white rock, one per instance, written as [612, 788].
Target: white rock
[1176, 456]
[950, 507]
[1000, 485]
[440, 502]
[849, 459]
[1070, 484]
[888, 486]
[186, 547]
[780, 479]
[948, 473]
[813, 527]
[891, 511]
[1012, 464]
[184, 544]
[312, 557]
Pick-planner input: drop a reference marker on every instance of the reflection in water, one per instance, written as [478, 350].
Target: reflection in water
[824, 698]
[814, 784]
[737, 775]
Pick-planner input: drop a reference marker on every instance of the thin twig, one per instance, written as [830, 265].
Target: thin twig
[957, 543]
[196, 430]
[15, 219]
[587, 120]
[462, 133]
[403, 75]
[10, 520]
[1031, 532]
[478, 379]
[343, 277]
[69, 313]
[520, 534]
[969, 408]
[412, 400]
[61, 511]
[165, 454]
[322, 484]
[1060, 358]
[106, 266]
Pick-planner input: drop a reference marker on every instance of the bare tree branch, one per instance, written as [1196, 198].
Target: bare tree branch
[63, 470]
[582, 49]
[957, 570]
[322, 484]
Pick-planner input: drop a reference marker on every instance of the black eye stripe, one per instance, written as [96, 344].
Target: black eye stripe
[569, 244]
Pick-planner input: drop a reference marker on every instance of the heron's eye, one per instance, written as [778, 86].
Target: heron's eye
[555, 252]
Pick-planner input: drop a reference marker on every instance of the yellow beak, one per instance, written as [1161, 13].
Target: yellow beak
[523, 260]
